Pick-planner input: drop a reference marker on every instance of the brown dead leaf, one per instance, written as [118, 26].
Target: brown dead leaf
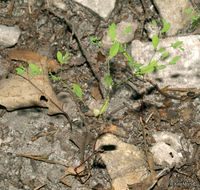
[32, 57]
[95, 92]
[17, 92]
[101, 57]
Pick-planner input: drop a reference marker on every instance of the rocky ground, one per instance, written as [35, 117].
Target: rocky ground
[147, 138]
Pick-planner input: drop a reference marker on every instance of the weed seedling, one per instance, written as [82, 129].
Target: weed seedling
[139, 69]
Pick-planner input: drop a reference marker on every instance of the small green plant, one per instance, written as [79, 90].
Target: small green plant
[62, 60]
[34, 70]
[95, 41]
[196, 19]
[139, 68]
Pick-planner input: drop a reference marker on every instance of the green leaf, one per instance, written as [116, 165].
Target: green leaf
[54, 78]
[114, 49]
[164, 21]
[161, 50]
[154, 23]
[193, 17]
[160, 67]
[66, 55]
[105, 106]
[93, 39]
[153, 63]
[21, 70]
[164, 55]
[175, 45]
[59, 57]
[122, 48]
[165, 28]
[77, 90]
[35, 68]
[128, 29]
[188, 10]
[147, 69]
[155, 41]
[112, 31]
[108, 80]
[174, 60]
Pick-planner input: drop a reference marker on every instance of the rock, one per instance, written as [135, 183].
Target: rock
[185, 73]
[101, 7]
[151, 29]
[120, 34]
[9, 35]
[173, 12]
[168, 149]
[60, 5]
[125, 163]
[4, 70]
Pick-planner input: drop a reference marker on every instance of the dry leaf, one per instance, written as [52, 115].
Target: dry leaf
[32, 57]
[16, 92]
[101, 57]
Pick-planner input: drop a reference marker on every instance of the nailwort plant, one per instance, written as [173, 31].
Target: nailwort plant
[139, 68]
[117, 47]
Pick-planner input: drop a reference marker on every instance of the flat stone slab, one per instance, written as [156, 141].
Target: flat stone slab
[185, 73]
[101, 7]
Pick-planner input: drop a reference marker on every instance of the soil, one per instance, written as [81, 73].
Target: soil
[29, 132]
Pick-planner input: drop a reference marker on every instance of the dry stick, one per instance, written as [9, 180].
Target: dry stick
[64, 113]
[161, 174]
[163, 93]
[35, 157]
[40, 186]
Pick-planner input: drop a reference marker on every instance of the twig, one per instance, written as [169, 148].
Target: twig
[39, 158]
[161, 92]
[40, 186]
[161, 174]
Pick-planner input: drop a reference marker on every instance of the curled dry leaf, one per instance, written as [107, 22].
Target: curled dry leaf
[17, 92]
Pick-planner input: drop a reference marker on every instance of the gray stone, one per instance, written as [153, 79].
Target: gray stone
[169, 148]
[60, 4]
[185, 73]
[173, 12]
[3, 68]
[9, 35]
[151, 29]
[120, 34]
[101, 7]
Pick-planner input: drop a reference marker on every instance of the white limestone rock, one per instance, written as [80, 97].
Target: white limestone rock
[9, 35]
[185, 73]
[173, 12]
[125, 163]
[101, 7]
